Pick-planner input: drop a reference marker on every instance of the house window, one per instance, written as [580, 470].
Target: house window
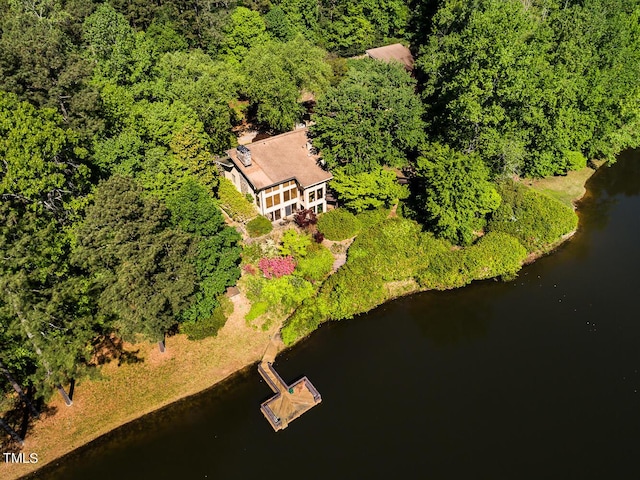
[258, 200]
[273, 200]
[319, 193]
[320, 209]
[290, 194]
[288, 210]
[277, 214]
[312, 196]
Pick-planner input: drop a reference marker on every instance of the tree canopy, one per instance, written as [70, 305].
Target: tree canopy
[277, 74]
[455, 194]
[372, 118]
[529, 85]
[136, 259]
[112, 116]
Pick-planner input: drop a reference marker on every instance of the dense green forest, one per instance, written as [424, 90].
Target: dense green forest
[111, 114]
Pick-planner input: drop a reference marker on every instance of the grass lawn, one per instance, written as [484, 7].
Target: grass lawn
[568, 188]
[126, 392]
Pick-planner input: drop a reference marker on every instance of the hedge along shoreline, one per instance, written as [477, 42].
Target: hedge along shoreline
[395, 258]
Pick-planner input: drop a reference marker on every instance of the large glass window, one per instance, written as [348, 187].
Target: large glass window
[319, 193]
[290, 194]
[277, 214]
[312, 196]
[273, 200]
[320, 209]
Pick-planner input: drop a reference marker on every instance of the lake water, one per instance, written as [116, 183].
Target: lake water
[536, 378]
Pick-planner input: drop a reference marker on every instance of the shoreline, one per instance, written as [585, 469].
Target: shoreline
[224, 370]
[78, 451]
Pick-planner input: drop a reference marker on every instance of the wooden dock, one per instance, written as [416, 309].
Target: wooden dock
[289, 401]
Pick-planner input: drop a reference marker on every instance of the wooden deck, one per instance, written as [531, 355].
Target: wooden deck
[289, 401]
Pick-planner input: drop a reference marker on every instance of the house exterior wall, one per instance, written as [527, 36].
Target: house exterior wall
[284, 199]
[315, 197]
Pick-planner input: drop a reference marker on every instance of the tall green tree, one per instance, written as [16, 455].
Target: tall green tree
[454, 193]
[43, 165]
[479, 66]
[204, 85]
[372, 118]
[245, 30]
[531, 86]
[367, 190]
[217, 247]
[277, 74]
[46, 307]
[138, 263]
[120, 55]
[46, 304]
[41, 60]
[345, 27]
[160, 143]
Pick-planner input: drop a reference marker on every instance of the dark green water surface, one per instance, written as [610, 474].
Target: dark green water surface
[538, 378]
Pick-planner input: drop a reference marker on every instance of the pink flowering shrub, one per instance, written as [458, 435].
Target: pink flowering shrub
[277, 267]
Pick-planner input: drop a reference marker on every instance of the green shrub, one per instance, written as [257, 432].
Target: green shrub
[203, 328]
[444, 271]
[257, 309]
[234, 203]
[259, 226]
[353, 289]
[395, 249]
[496, 254]
[532, 217]
[575, 160]
[294, 244]
[316, 265]
[279, 294]
[338, 224]
[251, 253]
[304, 320]
[371, 218]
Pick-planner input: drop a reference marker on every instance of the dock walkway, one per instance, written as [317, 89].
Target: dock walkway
[289, 401]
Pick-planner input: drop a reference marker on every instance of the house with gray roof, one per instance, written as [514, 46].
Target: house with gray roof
[283, 174]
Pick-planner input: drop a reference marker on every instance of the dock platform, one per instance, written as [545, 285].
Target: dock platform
[289, 401]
